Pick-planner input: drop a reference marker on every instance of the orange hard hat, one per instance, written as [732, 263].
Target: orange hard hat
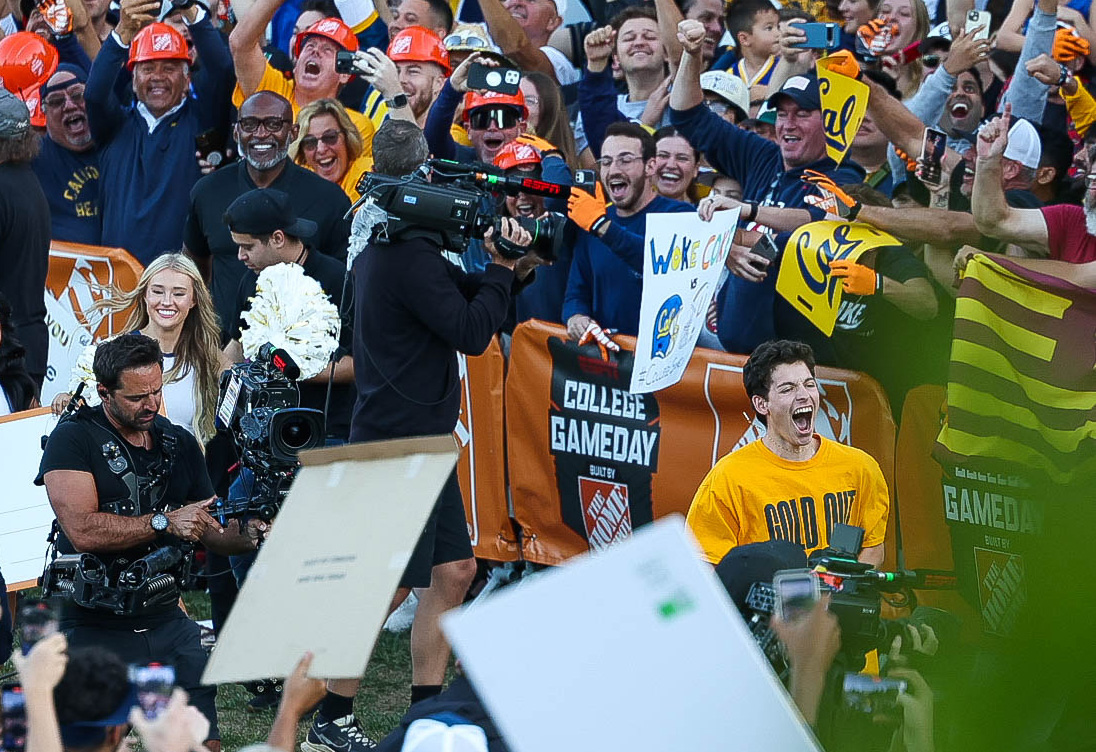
[418, 45]
[517, 154]
[474, 99]
[157, 41]
[26, 62]
[330, 28]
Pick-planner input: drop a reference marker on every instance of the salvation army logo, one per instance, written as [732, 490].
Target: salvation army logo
[162, 42]
[665, 330]
[400, 46]
[605, 511]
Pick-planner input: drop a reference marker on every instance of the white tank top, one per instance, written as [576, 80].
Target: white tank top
[179, 396]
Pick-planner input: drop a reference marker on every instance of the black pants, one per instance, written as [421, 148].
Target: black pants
[175, 643]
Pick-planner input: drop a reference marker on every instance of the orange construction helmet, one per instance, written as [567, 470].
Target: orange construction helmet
[157, 41]
[517, 154]
[330, 28]
[418, 45]
[26, 62]
[474, 99]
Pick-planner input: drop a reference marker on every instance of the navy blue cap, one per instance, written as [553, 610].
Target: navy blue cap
[803, 90]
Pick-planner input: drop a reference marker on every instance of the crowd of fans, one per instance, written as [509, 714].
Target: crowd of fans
[213, 141]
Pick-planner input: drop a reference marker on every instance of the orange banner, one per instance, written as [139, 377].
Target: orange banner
[479, 432]
[590, 461]
[78, 276]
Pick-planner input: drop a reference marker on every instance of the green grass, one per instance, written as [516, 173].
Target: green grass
[381, 702]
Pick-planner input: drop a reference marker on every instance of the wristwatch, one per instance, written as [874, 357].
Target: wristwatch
[159, 523]
[396, 102]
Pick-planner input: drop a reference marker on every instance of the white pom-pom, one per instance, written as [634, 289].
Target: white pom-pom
[291, 311]
[82, 371]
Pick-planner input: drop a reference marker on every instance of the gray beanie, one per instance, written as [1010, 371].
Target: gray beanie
[14, 116]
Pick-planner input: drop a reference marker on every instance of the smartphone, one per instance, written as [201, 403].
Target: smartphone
[37, 621]
[976, 18]
[14, 706]
[344, 62]
[766, 248]
[586, 180]
[210, 146]
[873, 696]
[795, 591]
[502, 80]
[933, 147]
[154, 684]
[820, 36]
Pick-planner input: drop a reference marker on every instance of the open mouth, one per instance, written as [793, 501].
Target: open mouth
[618, 188]
[670, 176]
[326, 163]
[803, 417]
[960, 110]
[166, 313]
[493, 142]
[525, 209]
[312, 68]
[76, 122]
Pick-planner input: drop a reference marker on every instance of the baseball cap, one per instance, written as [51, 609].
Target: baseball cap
[80, 734]
[757, 562]
[561, 7]
[79, 77]
[803, 90]
[444, 732]
[938, 38]
[14, 115]
[1023, 144]
[727, 87]
[264, 210]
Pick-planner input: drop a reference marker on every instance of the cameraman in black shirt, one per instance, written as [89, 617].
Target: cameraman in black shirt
[124, 482]
[414, 311]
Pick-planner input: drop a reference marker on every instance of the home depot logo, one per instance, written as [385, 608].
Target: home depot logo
[605, 511]
[162, 43]
[400, 46]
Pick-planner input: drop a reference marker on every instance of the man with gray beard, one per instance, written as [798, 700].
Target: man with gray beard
[262, 132]
[1063, 232]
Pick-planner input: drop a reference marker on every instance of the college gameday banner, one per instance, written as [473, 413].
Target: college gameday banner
[481, 468]
[78, 276]
[590, 461]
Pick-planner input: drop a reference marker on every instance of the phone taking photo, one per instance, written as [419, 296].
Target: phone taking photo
[501, 80]
[873, 696]
[795, 592]
[766, 248]
[933, 146]
[14, 707]
[37, 621]
[820, 36]
[154, 684]
[976, 18]
[344, 62]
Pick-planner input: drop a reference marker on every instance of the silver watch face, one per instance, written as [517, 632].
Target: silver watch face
[159, 522]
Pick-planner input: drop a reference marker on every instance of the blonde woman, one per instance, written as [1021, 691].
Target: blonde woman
[330, 145]
[175, 308]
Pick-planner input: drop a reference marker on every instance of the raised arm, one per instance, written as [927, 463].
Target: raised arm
[669, 18]
[686, 92]
[513, 40]
[992, 214]
[246, 44]
[1026, 94]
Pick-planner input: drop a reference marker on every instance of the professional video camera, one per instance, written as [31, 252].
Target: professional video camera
[123, 587]
[453, 202]
[259, 403]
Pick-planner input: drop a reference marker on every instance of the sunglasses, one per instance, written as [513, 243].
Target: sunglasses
[271, 124]
[930, 61]
[56, 100]
[329, 138]
[503, 117]
[469, 42]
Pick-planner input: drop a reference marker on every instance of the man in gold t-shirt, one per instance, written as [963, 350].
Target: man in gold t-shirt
[792, 484]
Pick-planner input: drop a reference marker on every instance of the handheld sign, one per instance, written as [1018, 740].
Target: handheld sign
[844, 103]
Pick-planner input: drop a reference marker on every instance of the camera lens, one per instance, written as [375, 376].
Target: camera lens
[296, 434]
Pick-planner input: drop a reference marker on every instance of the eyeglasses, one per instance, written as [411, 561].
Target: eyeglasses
[56, 100]
[271, 124]
[624, 160]
[532, 99]
[719, 108]
[930, 61]
[503, 117]
[329, 138]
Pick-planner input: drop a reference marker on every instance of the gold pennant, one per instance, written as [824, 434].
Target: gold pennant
[844, 103]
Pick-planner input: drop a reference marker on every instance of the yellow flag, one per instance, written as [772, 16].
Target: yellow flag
[804, 278]
[844, 102]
